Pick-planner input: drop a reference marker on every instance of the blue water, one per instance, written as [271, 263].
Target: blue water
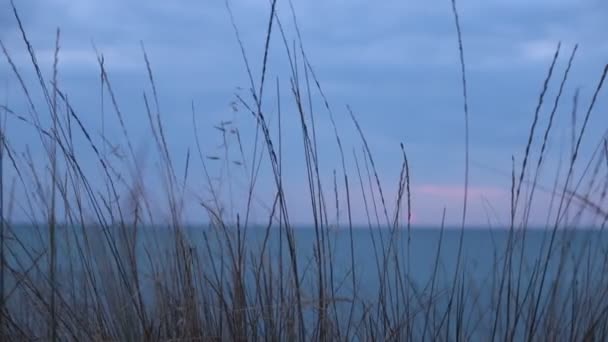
[578, 257]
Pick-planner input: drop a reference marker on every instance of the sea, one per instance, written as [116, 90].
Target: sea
[432, 258]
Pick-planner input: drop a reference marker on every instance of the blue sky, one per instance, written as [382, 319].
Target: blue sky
[394, 62]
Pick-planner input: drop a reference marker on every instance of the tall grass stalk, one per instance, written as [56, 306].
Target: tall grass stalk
[102, 255]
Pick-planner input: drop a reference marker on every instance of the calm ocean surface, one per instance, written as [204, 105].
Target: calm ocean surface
[579, 256]
[482, 249]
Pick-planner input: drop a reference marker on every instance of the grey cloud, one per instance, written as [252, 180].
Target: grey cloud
[369, 54]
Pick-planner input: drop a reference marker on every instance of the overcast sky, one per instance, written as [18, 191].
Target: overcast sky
[394, 62]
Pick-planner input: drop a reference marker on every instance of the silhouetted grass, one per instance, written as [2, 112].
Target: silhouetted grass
[103, 268]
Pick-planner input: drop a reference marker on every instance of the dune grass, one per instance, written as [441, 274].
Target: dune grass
[100, 274]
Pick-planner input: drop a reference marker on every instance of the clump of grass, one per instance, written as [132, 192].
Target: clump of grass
[102, 267]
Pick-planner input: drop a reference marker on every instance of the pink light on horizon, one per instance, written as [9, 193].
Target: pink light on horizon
[453, 192]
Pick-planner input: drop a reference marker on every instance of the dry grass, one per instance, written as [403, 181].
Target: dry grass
[101, 268]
